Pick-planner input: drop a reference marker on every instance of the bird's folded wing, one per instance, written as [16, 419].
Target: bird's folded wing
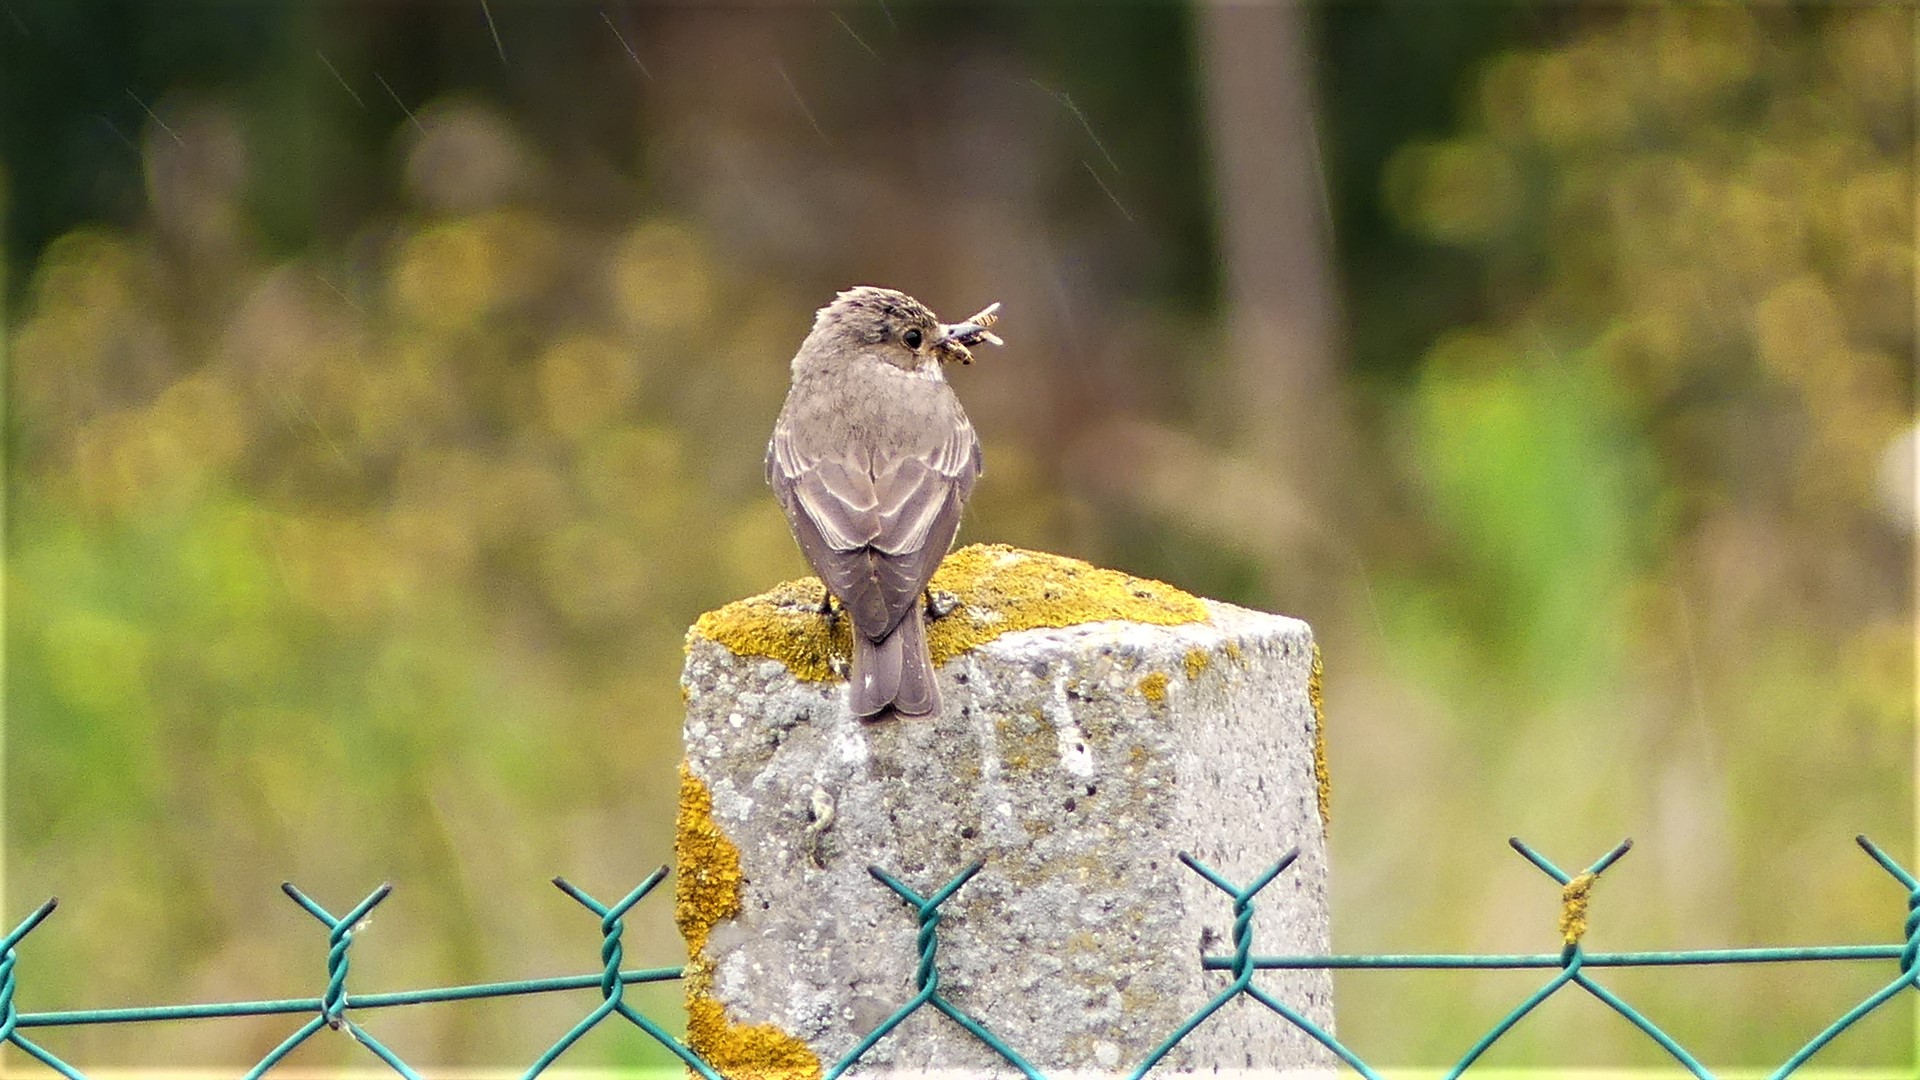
[874, 534]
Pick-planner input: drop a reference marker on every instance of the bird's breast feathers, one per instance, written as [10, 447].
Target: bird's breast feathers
[929, 369]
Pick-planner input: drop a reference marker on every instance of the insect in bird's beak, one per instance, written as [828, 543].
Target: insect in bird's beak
[970, 332]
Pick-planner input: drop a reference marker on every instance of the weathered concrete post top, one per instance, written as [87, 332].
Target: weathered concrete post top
[1094, 725]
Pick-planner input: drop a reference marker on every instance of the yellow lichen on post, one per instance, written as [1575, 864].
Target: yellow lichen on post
[707, 890]
[744, 1051]
[707, 893]
[1322, 778]
[784, 623]
[1153, 687]
[1197, 661]
[1001, 589]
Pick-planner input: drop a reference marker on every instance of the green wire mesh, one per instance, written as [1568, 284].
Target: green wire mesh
[1572, 966]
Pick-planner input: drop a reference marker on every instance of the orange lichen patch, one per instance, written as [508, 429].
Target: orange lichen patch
[1197, 660]
[1154, 687]
[1322, 778]
[707, 893]
[1001, 589]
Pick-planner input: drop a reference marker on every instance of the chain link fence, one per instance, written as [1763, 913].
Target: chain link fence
[336, 1009]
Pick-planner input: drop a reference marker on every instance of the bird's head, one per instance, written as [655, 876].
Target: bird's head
[892, 327]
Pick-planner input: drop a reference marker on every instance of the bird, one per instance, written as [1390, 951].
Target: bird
[872, 459]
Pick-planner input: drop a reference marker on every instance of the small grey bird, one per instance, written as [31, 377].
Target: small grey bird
[872, 459]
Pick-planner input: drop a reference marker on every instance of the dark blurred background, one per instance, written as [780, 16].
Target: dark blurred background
[387, 384]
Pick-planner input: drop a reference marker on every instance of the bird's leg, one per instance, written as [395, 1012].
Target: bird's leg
[941, 603]
[838, 661]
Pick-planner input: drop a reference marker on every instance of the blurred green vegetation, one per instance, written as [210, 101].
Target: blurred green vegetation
[367, 461]
[1655, 465]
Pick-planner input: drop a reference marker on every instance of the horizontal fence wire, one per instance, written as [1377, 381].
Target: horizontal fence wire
[1572, 966]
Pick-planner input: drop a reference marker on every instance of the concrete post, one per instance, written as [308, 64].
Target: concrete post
[1095, 724]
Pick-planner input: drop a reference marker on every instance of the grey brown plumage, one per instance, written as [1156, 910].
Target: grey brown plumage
[873, 459]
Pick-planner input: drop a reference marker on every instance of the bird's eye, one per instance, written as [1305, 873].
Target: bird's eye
[912, 338]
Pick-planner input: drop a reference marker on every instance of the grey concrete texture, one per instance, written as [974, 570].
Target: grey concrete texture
[1075, 762]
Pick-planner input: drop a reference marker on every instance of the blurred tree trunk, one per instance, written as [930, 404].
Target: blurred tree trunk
[1274, 234]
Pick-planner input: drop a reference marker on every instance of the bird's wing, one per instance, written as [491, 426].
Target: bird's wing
[826, 528]
[875, 535]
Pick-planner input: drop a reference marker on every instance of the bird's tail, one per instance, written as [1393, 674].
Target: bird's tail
[895, 674]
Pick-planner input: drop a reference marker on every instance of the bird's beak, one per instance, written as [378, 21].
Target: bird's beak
[961, 336]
